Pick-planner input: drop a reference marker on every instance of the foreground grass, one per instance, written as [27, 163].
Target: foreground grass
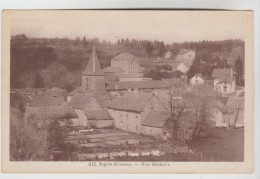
[220, 145]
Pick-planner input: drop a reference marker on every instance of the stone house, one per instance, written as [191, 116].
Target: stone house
[224, 81]
[130, 110]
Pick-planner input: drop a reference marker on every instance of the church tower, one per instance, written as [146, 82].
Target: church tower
[93, 78]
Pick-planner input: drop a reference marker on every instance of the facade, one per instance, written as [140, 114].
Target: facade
[127, 62]
[197, 79]
[130, 110]
[224, 81]
[185, 55]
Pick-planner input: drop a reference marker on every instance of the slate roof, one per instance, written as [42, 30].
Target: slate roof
[93, 67]
[110, 69]
[151, 84]
[97, 115]
[79, 101]
[156, 118]
[124, 56]
[54, 112]
[224, 74]
[131, 101]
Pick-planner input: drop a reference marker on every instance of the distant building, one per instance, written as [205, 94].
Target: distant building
[111, 73]
[127, 62]
[131, 109]
[229, 111]
[183, 60]
[197, 79]
[185, 55]
[224, 81]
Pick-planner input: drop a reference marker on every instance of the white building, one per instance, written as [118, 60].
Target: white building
[224, 81]
[197, 79]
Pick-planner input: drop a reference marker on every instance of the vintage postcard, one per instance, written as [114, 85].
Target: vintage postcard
[127, 91]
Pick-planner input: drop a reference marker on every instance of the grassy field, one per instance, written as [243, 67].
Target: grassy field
[220, 145]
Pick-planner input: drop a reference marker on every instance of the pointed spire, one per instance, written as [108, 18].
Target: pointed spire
[93, 67]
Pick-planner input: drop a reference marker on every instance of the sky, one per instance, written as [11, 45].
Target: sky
[168, 26]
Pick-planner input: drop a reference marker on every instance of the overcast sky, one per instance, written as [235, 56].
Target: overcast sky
[168, 26]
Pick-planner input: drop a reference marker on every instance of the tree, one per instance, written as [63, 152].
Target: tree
[162, 49]
[56, 135]
[38, 81]
[239, 68]
[190, 114]
[149, 48]
[84, 42]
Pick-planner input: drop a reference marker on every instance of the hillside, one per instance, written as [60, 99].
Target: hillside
[59, 62]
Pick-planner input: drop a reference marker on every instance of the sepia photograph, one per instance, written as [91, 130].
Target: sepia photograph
[107, 88]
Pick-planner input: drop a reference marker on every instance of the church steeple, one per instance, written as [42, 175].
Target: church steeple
[93, 78]
[93, 67]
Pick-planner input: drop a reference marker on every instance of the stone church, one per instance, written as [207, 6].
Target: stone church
[90, 100]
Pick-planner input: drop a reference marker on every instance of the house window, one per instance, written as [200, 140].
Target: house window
[196, 81]
[150, 131]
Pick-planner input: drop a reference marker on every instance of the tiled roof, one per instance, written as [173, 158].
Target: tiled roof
[97, 115]
[124, 56]
[79, 101]
[130, 101]
[156, 118]
[55, 112]
[151, 84]
[103, 99]
[46, 101]
[112, 70]
[93, 68]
